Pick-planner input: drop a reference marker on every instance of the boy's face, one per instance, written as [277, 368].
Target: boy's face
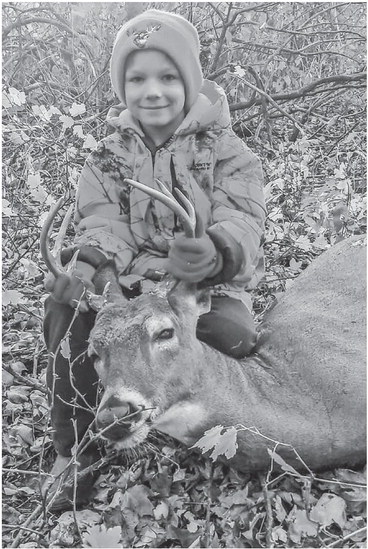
[154, 91]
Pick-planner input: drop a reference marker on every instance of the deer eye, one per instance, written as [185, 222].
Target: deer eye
[166, 334]
[91, 352]
[94, 356]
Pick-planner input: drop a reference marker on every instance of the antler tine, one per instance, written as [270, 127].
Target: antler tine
[187, 216]
[190, 211]
[60, 237]
[50, 261]
[189, 206]
[163, 188]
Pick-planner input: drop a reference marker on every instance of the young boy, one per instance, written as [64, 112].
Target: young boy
[175, 127]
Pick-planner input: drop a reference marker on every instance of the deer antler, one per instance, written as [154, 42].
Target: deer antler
[187, 215]
[52, 259]
[107, 281]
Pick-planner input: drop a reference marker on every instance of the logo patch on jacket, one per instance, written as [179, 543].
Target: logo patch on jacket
[141, 37]
[201, 166]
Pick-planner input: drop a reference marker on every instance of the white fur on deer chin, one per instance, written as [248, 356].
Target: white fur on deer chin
[135, 439]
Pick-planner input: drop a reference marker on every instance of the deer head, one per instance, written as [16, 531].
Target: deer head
[131, 343]
[131, 340]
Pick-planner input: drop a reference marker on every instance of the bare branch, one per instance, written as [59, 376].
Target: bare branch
[305, 90]
[272, 101]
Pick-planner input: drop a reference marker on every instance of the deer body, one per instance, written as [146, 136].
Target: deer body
[304, 385]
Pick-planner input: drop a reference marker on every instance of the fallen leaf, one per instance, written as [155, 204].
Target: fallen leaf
[12, 297]
[99, 536]
[18, 367]
[185, 537]
[16, 97]
[67, 121]
[78, 131]
[161, 511]
[18, 394]
[279, 509]
[65, 350]
[329, 509]
[90, 143]
[179, 475]
[77, 109]
[148, 535]
[280, 461]
[137, 500]
[24, 432]
[7, 379]
[219, 443]
[161, 483]
[300, 525]
[279, 534]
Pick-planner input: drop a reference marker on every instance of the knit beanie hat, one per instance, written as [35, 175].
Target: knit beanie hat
[168, 33]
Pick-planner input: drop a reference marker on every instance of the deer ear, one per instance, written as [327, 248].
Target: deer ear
[185, 293]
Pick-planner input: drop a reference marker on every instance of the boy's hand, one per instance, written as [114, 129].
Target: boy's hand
[193, 259]
[68, 289]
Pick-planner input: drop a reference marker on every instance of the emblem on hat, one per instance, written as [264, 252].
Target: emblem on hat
[141, 37]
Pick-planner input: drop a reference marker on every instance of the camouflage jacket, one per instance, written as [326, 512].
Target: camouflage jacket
[204, 157]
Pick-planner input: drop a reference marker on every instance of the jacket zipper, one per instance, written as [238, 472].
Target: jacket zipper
[175, 184]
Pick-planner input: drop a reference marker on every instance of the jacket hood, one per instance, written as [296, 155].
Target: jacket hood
[210, 111]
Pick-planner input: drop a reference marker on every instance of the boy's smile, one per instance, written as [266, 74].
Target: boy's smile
[154, 93]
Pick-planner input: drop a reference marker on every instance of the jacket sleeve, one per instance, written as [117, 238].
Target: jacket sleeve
[238, 211]
[102, 213]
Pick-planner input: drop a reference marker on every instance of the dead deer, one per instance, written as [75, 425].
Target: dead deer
[303, 386]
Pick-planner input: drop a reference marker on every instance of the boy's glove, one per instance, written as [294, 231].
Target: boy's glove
[209, 259]
[68, 289]
[194, 259]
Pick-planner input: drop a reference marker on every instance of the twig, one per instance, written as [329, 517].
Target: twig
[207, 531]
[58, 350]
[24, 472]
[305, 90]
[277, 443]
[25, 309]
[268, 506]
[225, 25]
[348, 536]
[342, 137]
[23, 254]
[61, 25]
[78, 475]
[254, 47]
[272, 101]
[74, 405]
[75, 480]
[35, 513]
[340, 482]
[71, 378]
[18, 527]
[25, 380]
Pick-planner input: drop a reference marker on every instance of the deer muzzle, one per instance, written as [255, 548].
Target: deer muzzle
[116, 418]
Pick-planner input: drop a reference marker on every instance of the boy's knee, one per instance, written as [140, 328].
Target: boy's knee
[247, 342]
[229, 327]
[58, 320]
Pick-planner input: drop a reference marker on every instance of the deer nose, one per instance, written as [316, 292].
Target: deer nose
[115, 417]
